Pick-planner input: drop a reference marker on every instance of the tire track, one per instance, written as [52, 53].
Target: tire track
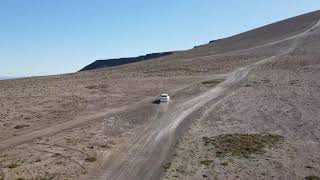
[257, 47]
[145, 156]
[77, 121]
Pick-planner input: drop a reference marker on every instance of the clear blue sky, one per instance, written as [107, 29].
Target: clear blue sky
[40, 37]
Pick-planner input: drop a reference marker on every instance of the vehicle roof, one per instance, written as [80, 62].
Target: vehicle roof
[164, 95]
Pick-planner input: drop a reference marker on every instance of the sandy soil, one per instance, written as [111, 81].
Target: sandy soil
[280, 96]
[104, 124]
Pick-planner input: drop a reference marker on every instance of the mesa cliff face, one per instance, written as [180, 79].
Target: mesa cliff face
[120, 61]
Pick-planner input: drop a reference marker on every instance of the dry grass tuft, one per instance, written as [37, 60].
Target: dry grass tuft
[167, 166]
[206, 162]
[242, 145]
[312, 177]
[12, 166]
[91, 159]
[212, 83]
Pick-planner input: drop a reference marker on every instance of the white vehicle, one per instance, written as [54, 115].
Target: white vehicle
[164, 98]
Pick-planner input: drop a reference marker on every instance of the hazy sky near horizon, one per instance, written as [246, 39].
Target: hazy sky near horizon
[42, 37]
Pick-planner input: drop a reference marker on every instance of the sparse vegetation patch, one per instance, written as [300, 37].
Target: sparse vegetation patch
[21, 126]
[212, 83]
[206, 162]
[167, 166]
[47, 178]
[225, 163]
[12, 166]
[312, 177]
[19, 178]
[241, 145]
[1, 175]
[97, 87]
[91, 159]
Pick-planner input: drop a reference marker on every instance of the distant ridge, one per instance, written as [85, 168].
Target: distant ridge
[120, 61]
[6, 77]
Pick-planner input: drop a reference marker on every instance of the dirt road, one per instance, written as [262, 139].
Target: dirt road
[148, 150]
[143, 158]
[257, 47]
[73, 123]
[105, 124]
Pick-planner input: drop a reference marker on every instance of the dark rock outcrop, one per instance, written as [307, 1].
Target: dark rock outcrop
[120, 61]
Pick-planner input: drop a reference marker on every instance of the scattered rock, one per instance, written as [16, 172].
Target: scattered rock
[21, 126]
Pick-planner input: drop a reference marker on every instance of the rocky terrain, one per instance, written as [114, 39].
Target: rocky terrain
[243, 107]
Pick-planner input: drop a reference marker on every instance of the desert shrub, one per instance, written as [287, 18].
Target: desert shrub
[91, 159]
[312, 177]
[211, 83]
[167, 166]
[225, 163]
[206, 162]
[241, 145]
[12, 166]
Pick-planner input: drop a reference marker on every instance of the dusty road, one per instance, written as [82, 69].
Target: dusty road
[77, 121]
[148, 150]
[261, 46]
[104, 124]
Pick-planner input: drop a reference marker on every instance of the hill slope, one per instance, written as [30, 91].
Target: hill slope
[244, 107]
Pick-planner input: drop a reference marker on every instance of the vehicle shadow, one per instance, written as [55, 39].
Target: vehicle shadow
[156, 101]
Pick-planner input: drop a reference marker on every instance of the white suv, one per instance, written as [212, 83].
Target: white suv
[164, 98]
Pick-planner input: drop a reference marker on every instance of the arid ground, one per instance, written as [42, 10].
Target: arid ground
[243, 107]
